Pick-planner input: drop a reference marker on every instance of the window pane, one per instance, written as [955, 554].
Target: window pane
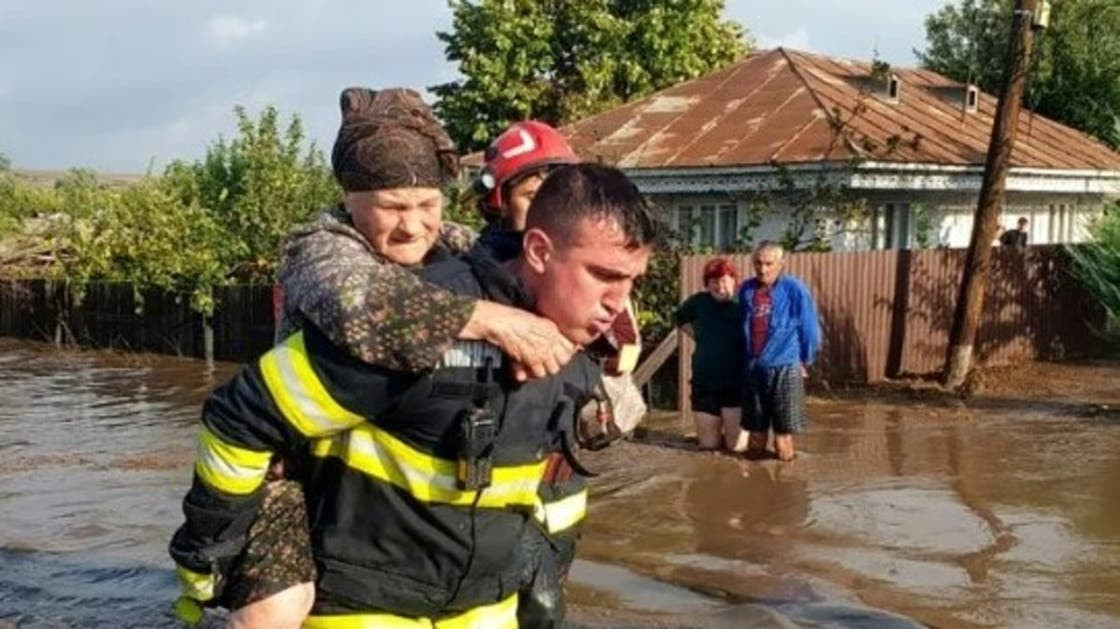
[728, 226]
[708, 225]
[888, 226]
[684, 222]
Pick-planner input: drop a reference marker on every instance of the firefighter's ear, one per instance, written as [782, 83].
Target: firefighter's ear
[538, 249]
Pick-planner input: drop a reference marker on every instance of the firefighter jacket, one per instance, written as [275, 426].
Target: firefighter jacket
[394, 530]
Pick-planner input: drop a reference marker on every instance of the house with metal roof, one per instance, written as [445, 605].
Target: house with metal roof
[733, 155]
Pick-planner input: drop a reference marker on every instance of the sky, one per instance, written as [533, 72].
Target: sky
[124, 86]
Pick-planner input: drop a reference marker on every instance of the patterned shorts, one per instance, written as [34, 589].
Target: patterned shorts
[278, 552]
[775, 398]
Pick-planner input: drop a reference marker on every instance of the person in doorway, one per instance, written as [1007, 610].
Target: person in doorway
[423, 488]
[782, 335]
[712, 318]
[1017, 237]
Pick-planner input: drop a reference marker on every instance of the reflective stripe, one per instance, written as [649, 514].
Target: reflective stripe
[195, 585]
[379, 454]
[301, 397]
[501, 615]
[229, 468]
[563, 514]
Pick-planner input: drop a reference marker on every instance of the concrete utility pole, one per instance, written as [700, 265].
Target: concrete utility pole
[970, 300]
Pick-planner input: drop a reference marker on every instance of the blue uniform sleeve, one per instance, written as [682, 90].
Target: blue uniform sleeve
[810, 333]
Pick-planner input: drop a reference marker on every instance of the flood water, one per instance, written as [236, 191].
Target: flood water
[903, 510]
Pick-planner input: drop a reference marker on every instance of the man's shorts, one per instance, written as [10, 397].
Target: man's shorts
[775, 399]
[277, 554]
[710, 400]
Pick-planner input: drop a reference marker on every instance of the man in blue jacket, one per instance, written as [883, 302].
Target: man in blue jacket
[782, 334]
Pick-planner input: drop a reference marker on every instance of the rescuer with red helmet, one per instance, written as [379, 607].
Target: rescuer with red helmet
[517, 161]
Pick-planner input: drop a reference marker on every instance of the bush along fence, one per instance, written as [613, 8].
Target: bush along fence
[116, 315]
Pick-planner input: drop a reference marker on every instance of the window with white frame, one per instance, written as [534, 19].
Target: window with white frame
[890, 226]
[714, 225]
[1061, 226]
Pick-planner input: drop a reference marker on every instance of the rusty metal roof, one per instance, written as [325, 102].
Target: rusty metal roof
[788, 106]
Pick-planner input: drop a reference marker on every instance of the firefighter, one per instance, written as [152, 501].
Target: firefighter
[421, 487]
[348, 279]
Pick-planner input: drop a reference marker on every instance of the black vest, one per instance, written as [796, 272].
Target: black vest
[388, 535]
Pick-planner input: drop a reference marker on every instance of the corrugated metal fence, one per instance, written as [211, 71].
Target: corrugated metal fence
[884, 313]
[114, 315]
[888, 313]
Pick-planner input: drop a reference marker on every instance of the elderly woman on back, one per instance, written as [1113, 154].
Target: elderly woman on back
[713, 318]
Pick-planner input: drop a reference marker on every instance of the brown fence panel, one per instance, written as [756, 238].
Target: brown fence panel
[888, 313]
[104, 314]
[243, 322]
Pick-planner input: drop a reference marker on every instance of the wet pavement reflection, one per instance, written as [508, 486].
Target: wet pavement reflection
[904, 510]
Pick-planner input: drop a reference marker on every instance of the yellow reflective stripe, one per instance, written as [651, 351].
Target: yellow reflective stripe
[301, 397]
[563, 514]
[195, 585]
[365, 621]
[229, 468]
[501, 615]
[379, 454]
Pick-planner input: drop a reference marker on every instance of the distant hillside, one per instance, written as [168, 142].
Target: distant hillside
[49, 177]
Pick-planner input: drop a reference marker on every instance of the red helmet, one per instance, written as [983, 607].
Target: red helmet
[523, 148]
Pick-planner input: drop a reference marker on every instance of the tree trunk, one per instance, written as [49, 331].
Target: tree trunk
[970, 299]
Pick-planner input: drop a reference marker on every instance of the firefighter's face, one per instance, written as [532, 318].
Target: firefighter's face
[582, 284]
[518, 198]
[402, 224]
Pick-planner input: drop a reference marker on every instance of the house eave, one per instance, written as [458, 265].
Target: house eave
[870, 176]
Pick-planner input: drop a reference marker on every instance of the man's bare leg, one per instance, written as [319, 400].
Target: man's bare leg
[286, 609]
[783, 443]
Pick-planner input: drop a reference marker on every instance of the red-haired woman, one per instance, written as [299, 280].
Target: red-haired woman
[713, 319]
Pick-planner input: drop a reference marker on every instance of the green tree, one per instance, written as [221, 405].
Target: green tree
[558, 60]
[144, 235]
[1097, 265]
[1075, 78]
[257, 187]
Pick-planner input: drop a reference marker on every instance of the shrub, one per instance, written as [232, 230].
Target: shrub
[1097, 265]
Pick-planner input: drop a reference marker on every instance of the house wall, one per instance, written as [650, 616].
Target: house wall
[894, 221]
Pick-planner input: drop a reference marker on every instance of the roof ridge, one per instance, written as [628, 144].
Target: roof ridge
[734, 70]
[723, 114]
[832, 122]
[800, 77]
[766, 107]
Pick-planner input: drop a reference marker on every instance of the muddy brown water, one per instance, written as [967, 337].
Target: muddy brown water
[905, 509]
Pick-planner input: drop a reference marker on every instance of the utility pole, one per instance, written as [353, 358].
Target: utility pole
[970, 299]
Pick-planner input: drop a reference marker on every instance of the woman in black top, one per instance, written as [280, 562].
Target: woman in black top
[712, 317]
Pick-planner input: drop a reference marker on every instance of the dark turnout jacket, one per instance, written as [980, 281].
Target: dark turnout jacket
[392, 530]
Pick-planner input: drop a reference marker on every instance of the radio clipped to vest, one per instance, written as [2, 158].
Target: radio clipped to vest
[478, 430]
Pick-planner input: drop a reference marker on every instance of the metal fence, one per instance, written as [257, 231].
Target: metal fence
[888, 313]
[884, 313]
[117, 316]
